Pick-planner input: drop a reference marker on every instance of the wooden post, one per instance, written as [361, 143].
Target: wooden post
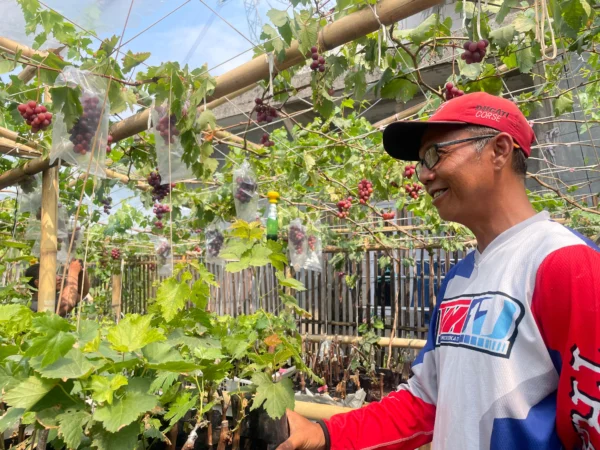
[48, 244]
[116, 295]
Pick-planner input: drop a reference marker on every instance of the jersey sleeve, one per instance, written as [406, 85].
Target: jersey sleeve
[566, 307]
[404, 419]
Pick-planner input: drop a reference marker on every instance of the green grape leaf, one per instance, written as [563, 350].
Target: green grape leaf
[53, 347]
[274, 397]
[289, 282]
[15, 318]
[400, 89]
[278, 18]
[238, 266]
[505, 9]
[259, 256]
[28, 392]
[182, 404]
[502, 36]
[131, 60]
[103, 388]
[309, 161]
[309, 28]
[525, 59]
[73, 365]
[125, 410]
[176, 366]
[172, 295]
[133, 333]
[563, 104]
[65, 100]
[424, 31]
[235, 249]
[71, 427]
[124, 439]
[200, 294]
[575, 13]
[159, 352]
[525, 21]
[207, 120]
[10, 418]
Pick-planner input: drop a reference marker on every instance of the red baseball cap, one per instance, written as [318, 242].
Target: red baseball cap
[402, 140]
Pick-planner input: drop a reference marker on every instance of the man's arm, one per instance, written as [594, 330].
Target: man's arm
[566, 307]
[70, 294]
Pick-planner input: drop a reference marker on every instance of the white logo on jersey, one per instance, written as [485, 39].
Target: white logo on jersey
[592, 419]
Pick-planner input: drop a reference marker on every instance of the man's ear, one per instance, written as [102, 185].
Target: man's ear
[36, 283]
[503, 146]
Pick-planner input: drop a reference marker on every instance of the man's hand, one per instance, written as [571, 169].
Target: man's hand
[304, 434]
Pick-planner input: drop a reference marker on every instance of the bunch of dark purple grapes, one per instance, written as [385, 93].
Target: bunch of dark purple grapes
[82, 133]
[266, 140]
[296, 237]
[318, 60]
[264, 113]
[106, 202]
[159, 190]
[214, 240]
[166, 128]
[246, 188]
[474, 51]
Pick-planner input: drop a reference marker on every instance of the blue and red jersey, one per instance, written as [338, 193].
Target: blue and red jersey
[512, 359]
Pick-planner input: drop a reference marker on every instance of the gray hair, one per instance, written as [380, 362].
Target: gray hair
[519, 160]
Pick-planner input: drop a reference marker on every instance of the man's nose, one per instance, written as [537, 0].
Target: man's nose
[426, 175]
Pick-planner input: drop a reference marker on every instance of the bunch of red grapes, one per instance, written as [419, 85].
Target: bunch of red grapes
[343, 207]
[82, 133]
[36, 116]
[365, 189]
[197, 249]
[474, 51]
[108, 143]
[312, 242]
[159, 190]
[246, 187]
[318, 60]
[115, 254]
[166, 128]
[388, 215]
[409, 171]
[160, 210]
[264, 113]
[106, 202]
[296, 237]
[452, 91]
[214, 239]
[266, 141]
[413, 189]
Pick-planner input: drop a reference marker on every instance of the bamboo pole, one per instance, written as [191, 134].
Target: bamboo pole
[14, 136]
[13, 47]
[382, 342]
[12, 148]
[400, 115]
[116, 295]
[48, 243]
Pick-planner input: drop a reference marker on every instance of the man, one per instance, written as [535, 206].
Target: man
[512, 356]
[76, 284]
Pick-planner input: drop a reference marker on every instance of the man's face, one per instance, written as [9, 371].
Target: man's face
[464, 176]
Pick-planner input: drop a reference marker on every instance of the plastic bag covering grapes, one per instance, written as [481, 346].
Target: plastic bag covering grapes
[245, 193]
[76, 145]
[30, 194]
[215, 239]
[314, 253]
[297, 244]
[33, 229]
[164, 258]
[167, 143]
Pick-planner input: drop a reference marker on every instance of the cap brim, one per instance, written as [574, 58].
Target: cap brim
[402, 140]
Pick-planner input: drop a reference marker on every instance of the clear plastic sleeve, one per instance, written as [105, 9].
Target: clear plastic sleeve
[314, 254]
[245, 193]
[164, 257]
[30, 194]
[215, 239]
[166, 137]
[76, 144]
[297, 244]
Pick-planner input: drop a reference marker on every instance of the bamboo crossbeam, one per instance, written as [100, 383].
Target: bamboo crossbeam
[12, 148]
[382, 342]
[400, 115]
[13, 47]
[13, 136]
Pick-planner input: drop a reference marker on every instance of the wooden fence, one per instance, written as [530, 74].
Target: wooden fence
[336, 308]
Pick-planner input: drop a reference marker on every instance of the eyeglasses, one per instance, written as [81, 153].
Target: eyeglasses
[432, 154]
